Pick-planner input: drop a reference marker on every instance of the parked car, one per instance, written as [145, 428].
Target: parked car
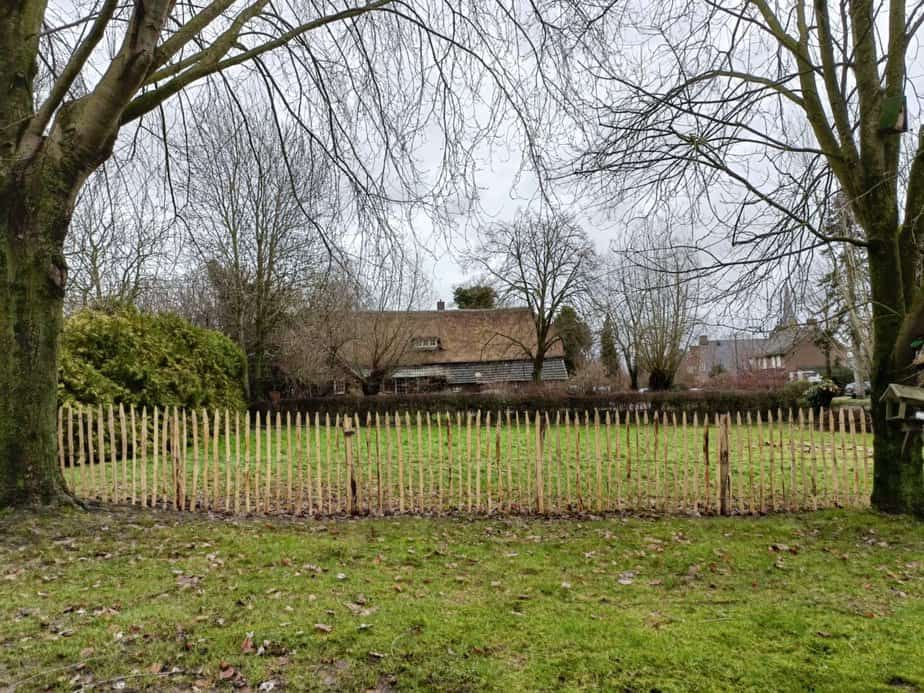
[850, 389]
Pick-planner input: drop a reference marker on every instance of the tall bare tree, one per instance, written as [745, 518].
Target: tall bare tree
[545, 261]
[261, 205]
[355, 325]
[370, 81]
[120, 237]
[846, 280]
[650, 295]
[754, 115]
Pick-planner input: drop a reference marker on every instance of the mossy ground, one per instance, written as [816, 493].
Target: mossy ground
[826, 601]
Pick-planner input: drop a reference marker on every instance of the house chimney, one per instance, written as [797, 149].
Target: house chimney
[441, 305]
[703, 339]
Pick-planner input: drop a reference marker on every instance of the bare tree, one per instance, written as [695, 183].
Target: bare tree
[545, 261]
[257, 229]
[847, 281]
[753, 116]
[355, 325]
[118, 244]
[370, 82]
[651, 299]
[188, 293]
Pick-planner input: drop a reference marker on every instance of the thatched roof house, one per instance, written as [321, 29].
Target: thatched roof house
[433, 350]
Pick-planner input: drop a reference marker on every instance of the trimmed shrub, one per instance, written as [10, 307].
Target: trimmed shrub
[123, 355]
[820, 394]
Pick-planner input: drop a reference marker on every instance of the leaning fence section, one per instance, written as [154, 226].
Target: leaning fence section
[476, 462]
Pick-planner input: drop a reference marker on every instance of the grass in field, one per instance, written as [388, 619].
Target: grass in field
[639, 466]
[828, 601]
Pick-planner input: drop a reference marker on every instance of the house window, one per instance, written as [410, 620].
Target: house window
[339, 387]
[425, 343]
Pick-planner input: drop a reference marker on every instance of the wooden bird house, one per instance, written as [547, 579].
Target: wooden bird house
[904, 406]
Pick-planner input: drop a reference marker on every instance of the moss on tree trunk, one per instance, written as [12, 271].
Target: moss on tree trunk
[898, 480]
[31, 291]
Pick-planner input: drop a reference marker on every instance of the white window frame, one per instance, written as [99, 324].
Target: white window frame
[425, 343]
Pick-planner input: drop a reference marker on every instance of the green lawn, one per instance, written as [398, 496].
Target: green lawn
[587, 466]
[826, 601]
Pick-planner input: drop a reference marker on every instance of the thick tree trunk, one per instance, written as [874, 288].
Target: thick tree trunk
[32, 275]
[898, 482]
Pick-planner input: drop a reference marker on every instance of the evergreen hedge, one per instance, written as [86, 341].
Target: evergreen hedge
[123, 355]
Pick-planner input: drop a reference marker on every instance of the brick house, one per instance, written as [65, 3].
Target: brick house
[783, 354]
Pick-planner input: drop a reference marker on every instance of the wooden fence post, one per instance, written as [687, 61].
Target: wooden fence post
[175, 456]
[348, 433]
[478, 460]
[124, 439]
[420, 465]
[724, 472]
[329, 460]
[599, 461]
[164, 450]
[144, 456]
[229, 503]
[270, 463]
[380, 497]
[319, 494]
[300, 458]
[134, 454]
[866, 489]
[290, 500]
[101, 453]
[237, 461]
[400, 451]
[468, 464]
[247, 467]
[431, 478]
[113, 457]
[707, 485]
[802, 474]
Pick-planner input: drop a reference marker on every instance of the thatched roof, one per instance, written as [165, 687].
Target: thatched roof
[459, 336]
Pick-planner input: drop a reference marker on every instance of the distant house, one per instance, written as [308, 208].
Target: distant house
[786, 353]
[451, 350]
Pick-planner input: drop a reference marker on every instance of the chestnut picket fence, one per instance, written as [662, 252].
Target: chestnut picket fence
[509, 462]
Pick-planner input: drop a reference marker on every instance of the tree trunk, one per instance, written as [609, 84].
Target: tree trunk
[898, 484]
[538, 361]
[633, 378]
[32, 276]
[660, 379]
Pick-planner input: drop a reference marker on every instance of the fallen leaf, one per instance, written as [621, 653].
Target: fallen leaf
[323, 628]
[247, 646]
[186, 582]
